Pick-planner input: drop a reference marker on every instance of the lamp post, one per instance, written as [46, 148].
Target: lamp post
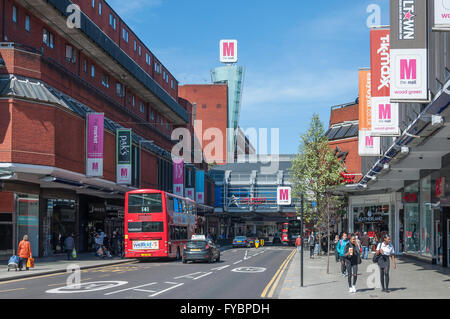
[302, 243]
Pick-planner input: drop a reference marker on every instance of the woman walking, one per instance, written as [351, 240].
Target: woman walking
[24, 252]
[385, 251]
[352, 255]
[312, 244]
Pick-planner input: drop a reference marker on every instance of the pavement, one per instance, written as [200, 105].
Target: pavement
[58, 264]
[413, 279]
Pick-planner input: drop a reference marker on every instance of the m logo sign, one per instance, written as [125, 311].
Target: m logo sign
[228, 51]
[283, 196]
[408, 69]
[369, 141]
[384, 112]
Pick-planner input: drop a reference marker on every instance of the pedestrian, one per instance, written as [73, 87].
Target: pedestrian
[335, 242]
[312, 244]
[69, 244]
[385, 250]
[365, 245]
[317, 240]
[98, 243]
[340, 248]
[352, 257]
[298, 243]
[24, 252]
[115, 243]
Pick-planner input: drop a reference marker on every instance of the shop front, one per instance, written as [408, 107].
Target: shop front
[375, 214]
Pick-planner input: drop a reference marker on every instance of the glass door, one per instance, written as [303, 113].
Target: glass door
[438, 242]
[448, 242]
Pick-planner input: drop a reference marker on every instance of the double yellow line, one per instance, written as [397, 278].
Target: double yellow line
[276, 278]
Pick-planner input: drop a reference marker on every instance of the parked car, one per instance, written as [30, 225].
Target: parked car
[201, 250]
[240, 241]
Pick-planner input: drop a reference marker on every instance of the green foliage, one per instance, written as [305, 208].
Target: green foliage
[316, 173]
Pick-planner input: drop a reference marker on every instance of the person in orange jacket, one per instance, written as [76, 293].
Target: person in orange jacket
[298, 242]
[24, 252]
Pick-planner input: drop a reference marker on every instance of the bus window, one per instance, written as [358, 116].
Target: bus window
[145, 227]
[144, 203]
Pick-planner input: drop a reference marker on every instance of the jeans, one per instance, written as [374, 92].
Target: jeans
[317, 249]
[311, 251]
[365, 252]
[69, 253]
[352, 271]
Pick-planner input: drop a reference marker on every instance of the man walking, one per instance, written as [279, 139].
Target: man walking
[69, 244]
[312, 244]
[365, 242]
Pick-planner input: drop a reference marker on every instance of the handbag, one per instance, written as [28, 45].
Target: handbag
[376, 258]
[30, 263]
[74, 253]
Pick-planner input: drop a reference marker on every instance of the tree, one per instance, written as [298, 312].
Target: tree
[316, 173]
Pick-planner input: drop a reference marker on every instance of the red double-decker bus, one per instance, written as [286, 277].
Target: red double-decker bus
[284, 233]
[157, 224]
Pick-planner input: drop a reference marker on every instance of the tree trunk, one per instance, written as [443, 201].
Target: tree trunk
[328, 234]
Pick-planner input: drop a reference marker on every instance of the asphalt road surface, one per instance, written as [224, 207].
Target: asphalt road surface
[240, 274]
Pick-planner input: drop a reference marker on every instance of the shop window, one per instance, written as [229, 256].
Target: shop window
[105, 80]
[14, 14]
[27, 220]
[120, 89]
[411, 220]
[27, 23]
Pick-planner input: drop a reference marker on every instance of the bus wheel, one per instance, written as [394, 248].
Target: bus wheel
[178, 254]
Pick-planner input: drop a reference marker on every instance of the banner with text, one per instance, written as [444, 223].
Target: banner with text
[94, 144]
[200, 186]
[409, 58]
[367, 145]
[385, 120]
[123, 156]
[442, 14]
[178, 177]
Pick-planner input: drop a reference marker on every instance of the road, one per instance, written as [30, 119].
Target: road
[240, 274]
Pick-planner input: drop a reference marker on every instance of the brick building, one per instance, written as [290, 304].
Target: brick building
[51, 76]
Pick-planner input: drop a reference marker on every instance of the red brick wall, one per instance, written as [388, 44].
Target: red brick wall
[349, 113]
[211, 116]
[6, 202]
[353, 160]
[5, 131]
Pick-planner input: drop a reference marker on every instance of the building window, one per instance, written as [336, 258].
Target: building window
[120, 89]
[135, 45]
[172, 84]
[99, 8]
[148, 58]
[93, 3]
[140, 50]
[142, 107]
[167, 78]
[112, 21]
[164, 75]
[125, 35]
[105, 80]
[85, 66]
[14, 14]
[133, 101]
[47, 38]
[157, 67]
[194, 112]
[219, 106]
[27, 23]
[93, 71]
[71, 54]
[152, 115]
[203, 106]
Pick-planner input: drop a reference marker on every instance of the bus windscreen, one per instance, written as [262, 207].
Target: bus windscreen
[144, 203]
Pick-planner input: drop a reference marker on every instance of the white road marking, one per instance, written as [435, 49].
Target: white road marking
[237, 262]
[194, 275]
[220, 268]
[160, 292]
[132, 288]
[249, 269]
[208, 273]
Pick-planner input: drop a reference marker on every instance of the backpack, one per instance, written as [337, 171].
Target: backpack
[341, 247]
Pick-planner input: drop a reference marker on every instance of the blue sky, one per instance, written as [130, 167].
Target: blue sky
[300, 57]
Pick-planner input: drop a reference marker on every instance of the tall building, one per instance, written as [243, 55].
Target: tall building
[217, 106]
[53, 75]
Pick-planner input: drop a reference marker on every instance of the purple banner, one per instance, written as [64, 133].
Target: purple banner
[94, 144]
[178, 174]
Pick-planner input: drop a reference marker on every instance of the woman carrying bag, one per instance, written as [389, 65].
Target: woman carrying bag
[385, 252]
[25, 254]
[352, 257]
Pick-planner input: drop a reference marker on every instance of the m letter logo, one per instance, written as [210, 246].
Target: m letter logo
[408, 69]
[228, 51]
[369, 141]
[384, 112]
[124, 172]
[283, 196]
[95, 166]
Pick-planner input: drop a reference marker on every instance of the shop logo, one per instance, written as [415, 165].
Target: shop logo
[124, 172]
[369, 141]
[384, 112]
[228, 51]
[410, 197]
[95, 166]
[383, 51]
[407, 20]
[408, 69]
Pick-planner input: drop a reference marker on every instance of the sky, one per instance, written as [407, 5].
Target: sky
[300, 57]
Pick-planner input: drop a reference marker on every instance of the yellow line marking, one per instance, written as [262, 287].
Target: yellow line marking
[29, 278]
[279, 276]
[13, 289]
[276, 274]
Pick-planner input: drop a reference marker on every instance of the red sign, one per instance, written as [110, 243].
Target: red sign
[440, 186]
[409, 234]
[253, 200]
[371, 234]
[348, 178]
[380, 61]
[410, 197]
